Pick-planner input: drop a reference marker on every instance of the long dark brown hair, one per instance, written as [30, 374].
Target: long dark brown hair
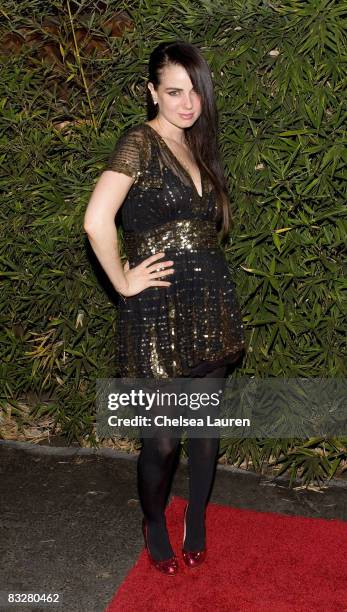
[202, 137]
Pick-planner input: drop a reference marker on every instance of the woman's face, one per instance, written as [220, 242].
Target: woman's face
[178, 101]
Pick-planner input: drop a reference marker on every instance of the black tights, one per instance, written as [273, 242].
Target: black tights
[155, 469]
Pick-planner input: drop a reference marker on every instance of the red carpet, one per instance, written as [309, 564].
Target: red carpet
[256, 562]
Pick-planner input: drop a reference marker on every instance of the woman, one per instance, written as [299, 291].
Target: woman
[179, 316]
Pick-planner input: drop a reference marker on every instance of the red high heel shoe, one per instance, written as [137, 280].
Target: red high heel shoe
[190, 557]
[167, 566]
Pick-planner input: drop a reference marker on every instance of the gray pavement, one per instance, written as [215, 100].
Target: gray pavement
[71, 518]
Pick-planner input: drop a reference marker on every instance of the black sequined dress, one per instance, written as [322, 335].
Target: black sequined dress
[194, 325]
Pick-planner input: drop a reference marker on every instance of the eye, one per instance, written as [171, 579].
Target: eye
[172, 93]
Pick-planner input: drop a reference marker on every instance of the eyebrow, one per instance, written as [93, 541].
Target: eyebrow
[176, 88]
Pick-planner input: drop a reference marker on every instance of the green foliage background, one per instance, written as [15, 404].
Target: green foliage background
[73, 77]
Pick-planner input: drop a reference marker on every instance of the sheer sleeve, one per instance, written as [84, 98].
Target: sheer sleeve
[129, 155]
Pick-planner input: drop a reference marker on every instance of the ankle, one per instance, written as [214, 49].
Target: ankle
[156, 523]
[158, 540]
[195, 515]
[195, 530]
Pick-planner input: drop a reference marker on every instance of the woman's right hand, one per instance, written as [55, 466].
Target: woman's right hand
[145, 274]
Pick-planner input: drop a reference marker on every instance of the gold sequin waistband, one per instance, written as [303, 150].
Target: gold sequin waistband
[180, 235]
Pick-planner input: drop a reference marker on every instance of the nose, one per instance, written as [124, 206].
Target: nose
[188, 103]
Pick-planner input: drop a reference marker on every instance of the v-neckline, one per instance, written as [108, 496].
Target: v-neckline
[180, 164]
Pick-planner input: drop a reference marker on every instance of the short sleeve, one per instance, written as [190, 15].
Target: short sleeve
[129, 155]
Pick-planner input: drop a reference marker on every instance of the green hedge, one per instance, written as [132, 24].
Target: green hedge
[71, 82]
